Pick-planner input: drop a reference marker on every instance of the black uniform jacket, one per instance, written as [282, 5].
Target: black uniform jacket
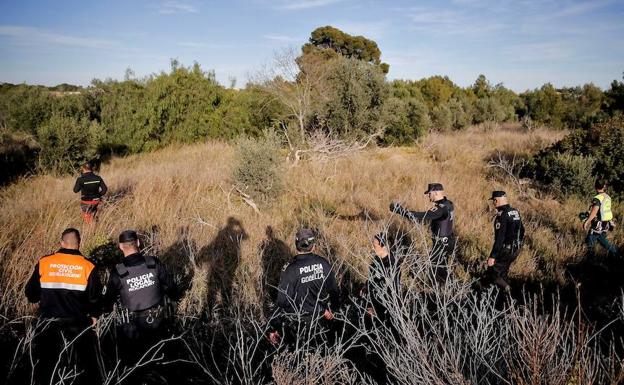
[114, 285]
[441, 216]
[308, 284]
[508, 231]
[90, 186]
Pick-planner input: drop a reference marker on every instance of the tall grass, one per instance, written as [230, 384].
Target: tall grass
[181, 199]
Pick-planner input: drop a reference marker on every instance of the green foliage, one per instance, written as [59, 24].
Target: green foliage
[326, 40]
[259, 166]
[442, 118]
[357, 92]
[573, 163]
[614, 97]
[568, 173]
[406, 120]
[66, 143]
[17, 155]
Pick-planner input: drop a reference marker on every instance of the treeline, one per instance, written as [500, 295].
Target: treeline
[335, 85]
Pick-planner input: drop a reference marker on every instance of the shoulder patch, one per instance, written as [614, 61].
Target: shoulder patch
[434, 208]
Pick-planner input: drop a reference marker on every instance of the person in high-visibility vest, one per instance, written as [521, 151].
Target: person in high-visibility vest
[67, 288]
[600, 220]
[91, 188]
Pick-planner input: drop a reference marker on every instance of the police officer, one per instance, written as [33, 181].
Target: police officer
[441, 217]
[307, 289]
[508, 239]
[67, 288]
[139, 283]
[384, 278]
[600, 220]
[91, 188]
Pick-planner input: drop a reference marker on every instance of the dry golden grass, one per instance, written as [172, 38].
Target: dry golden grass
[184, 193]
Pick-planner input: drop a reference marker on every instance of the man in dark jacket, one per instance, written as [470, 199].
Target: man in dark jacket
[384, 278]
[307, 290]
[91, 188]
[441, 217]
[139, 284]
[67, 289]
[508, 239]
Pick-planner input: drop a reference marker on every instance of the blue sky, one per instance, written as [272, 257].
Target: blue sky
[521, 43]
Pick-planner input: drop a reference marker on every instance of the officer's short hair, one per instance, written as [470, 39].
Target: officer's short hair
[304, 240]
[88, 166]
[600, 183]
[128, 237]
[70, 235]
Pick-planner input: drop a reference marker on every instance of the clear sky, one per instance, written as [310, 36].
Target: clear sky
[521, 43]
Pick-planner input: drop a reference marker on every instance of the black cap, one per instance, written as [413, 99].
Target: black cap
[434, 187]
[304, 238]
[128, 236]
[497, 194]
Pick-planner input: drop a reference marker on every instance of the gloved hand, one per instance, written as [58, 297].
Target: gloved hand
[394, 206]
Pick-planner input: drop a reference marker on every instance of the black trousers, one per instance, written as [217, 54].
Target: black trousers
[498, 273]
[441, 251]
[62, 347]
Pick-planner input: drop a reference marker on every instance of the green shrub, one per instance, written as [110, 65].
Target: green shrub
[441, 118]
[570, 174]
[599, 146]
[405, 121]
[66, 143]
[259, 166]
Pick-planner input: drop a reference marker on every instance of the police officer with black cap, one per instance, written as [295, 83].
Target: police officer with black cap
[441, 217]
[307, 289]
[139, 284]
[508, 239]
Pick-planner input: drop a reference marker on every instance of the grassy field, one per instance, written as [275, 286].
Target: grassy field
[182, 200]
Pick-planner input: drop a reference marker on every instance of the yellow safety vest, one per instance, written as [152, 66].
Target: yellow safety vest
[605, 207]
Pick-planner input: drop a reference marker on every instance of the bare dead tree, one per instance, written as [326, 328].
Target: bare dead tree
[511, 168]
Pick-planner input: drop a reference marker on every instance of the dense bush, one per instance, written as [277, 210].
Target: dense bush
[258, 171]
[355, 98]
[575, 161]
[66, 143]
[17, 155]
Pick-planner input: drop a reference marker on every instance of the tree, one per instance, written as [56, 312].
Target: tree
[329, 41]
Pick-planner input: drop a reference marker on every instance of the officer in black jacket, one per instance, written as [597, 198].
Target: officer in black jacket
[307, 290]
[384, 278]
[508, 238]
[139, 284]
[441, 217]
[91, 188]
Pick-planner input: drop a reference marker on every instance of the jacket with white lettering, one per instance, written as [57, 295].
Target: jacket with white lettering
[66, 285]
[308, 284]
[138, 283]
[508, 231]
[90, 186]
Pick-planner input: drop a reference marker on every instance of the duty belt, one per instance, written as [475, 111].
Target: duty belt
[127, 316]
[444, 240]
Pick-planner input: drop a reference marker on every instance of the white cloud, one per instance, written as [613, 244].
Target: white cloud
[304, 4]
[173, 7]
[450, 22]
[282, 38]
[35, 36]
